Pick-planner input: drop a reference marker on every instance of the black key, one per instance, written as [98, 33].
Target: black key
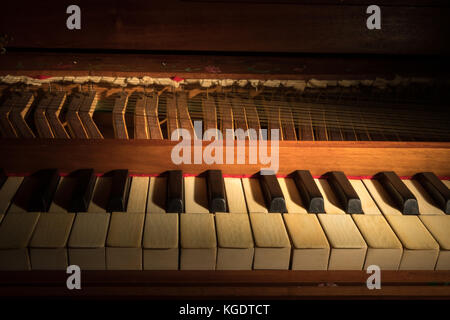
[175, 192]
[120, 188]
[344, 191]
[310, 193]
[36, 191]
[436, 188]
[3, 177]
[399, 192]
[217, 198]
[272, 193]
[83, 190]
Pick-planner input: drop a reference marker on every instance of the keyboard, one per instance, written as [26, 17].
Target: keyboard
[211, 221]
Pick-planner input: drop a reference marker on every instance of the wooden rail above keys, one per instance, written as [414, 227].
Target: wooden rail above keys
[355, 158]
[267, 284]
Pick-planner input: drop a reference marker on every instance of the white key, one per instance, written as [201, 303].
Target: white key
[291, 195]
[253, 195]
[15, 234]
[348, 248]
[7, 193]
[234, 241]
[137, 199]
[331, 202]
[160, 242]
[235, 195]
[439, 227]
[272, 246]
[195, 195]
[310, 247]
[424, 200]
[198, 242]
[156, 202]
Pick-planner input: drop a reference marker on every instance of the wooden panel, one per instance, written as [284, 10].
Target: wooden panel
[239, 27]
[267, 284]
[232, 67]
[154, 156]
